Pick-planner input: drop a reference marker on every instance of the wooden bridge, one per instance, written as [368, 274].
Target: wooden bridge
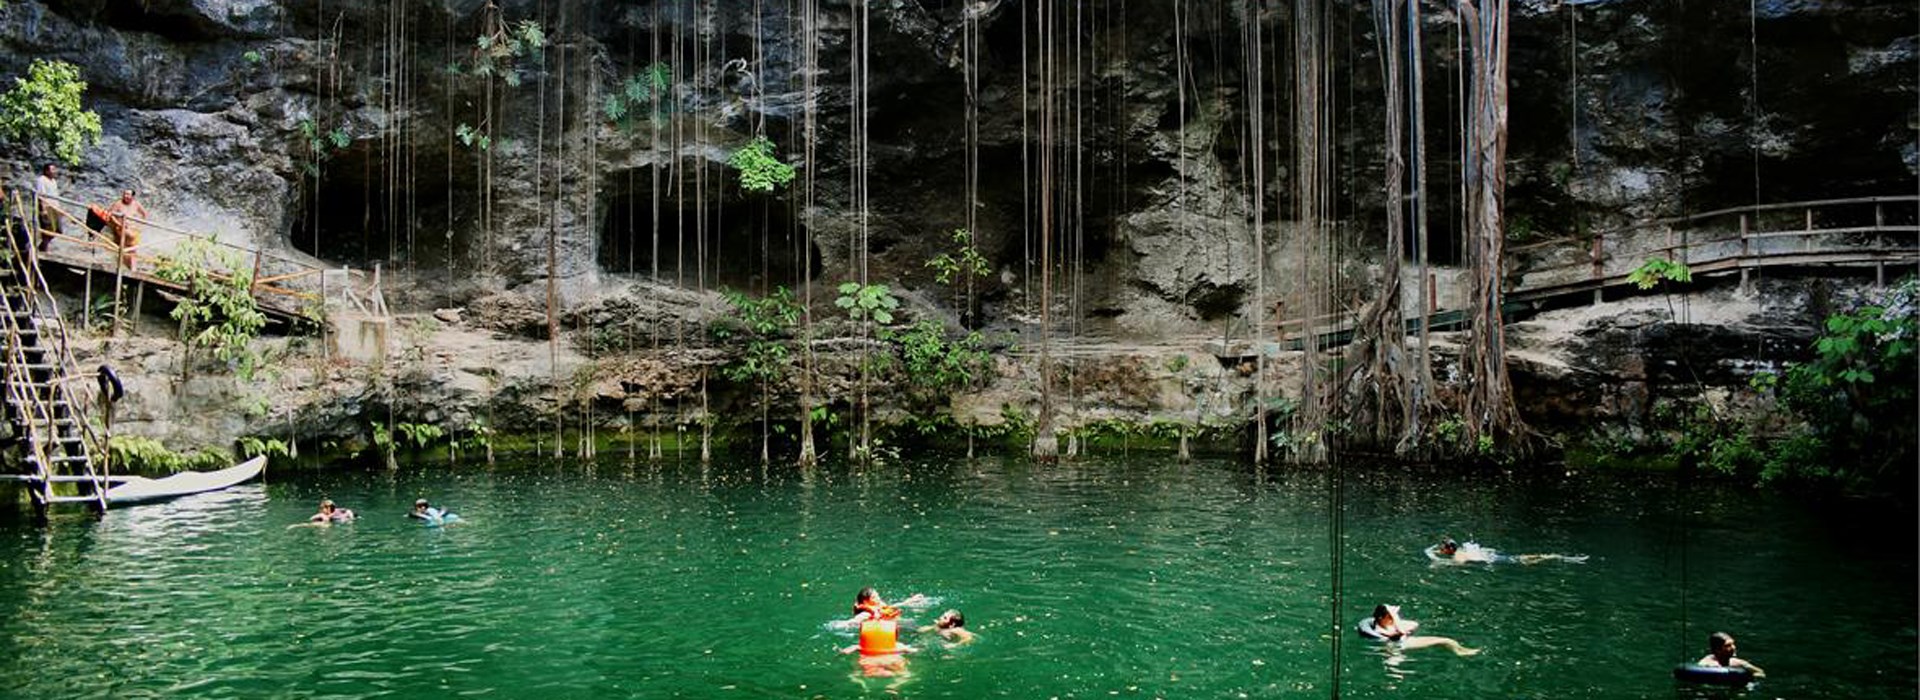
[47, 402]
[1880, 234]
[288, 289]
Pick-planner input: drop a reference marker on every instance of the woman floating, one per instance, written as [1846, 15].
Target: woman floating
[867, 604]
[330, 514]
[1450, 552]
[881, 653]
[1386, 625]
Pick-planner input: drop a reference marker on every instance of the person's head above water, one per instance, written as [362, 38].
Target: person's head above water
[420, 504]
[326, 505]
[950, 619]
[1721, 645]
[1448, 546]
[1385, 614]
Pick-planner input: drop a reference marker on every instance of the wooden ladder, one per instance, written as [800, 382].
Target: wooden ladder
[49, 422]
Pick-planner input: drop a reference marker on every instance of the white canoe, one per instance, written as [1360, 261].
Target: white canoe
[140, 489]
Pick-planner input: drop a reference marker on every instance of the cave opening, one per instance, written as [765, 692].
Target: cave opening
[749, 242]
[359, 207]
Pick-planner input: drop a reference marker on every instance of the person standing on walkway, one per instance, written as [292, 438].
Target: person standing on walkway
[46, 195]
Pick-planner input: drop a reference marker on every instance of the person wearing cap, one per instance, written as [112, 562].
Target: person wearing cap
[329, 513]
[881, 653]
[1720, 650]
[1387, 625]
[422, 510]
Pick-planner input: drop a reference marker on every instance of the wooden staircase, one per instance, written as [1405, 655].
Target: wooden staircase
[46, 414]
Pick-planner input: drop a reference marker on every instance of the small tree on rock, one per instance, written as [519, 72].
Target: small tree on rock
[42, 113]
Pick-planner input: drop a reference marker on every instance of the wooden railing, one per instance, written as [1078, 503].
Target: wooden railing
[1862, 231]
[282, 285]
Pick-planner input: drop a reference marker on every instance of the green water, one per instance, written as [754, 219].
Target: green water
[1108, 578]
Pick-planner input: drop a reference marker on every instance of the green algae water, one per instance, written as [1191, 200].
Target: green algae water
[1105, 578]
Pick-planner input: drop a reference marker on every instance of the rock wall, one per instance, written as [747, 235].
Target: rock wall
[224, 113]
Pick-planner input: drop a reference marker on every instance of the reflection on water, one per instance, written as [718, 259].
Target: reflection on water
[1101, 578]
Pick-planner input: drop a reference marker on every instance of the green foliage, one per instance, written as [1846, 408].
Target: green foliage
[253, 57]
[132, 453]
[764, 323]
[936, 364]
[759, 170]
[1178, 363]
[321, 143]
[1656, 270]
[419, 436]
[252, 446]
[1857, 394]
[966, 260]
[862, 302]
[472, 138]
[43, 113]
[218, 312]
[499, 53]
[648, 88]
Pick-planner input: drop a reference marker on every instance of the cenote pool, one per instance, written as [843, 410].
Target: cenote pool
[1105, 578]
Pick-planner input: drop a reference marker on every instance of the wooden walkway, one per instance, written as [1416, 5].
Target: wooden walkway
[1876, 233]
[288, 289]
[1881, 234]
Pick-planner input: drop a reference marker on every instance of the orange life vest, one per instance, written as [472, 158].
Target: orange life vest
[879, 638]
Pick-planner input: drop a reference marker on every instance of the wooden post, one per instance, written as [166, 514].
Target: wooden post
[1598, 274]
[254, 281]
[1745, 284]
[1806, 241]
[326, 342]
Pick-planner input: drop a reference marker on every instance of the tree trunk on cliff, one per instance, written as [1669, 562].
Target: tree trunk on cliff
[1382, 384]
[1487, 407]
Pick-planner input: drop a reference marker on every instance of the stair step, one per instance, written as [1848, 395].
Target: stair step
[67, 479]
[63, 459]
[73, 499]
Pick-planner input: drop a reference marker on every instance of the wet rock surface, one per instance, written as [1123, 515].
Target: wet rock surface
[224, 113]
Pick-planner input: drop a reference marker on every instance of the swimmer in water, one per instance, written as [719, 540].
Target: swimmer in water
[867, 604]
[329, 513]
[952, 627]
[1388, 626]
[1472, 553]
[1720, 650]
[881, 653]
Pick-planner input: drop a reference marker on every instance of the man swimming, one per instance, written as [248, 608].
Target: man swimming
[952, 627]
[1720, 650]
[1449, 550]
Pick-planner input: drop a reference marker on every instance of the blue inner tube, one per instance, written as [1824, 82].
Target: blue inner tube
[1712, 675]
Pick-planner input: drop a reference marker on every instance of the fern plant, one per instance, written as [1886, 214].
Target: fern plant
[759, 170]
